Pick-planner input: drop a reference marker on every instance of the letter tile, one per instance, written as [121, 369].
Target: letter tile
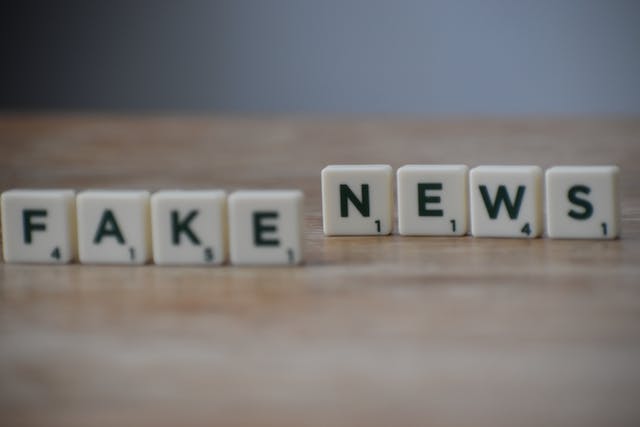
[39, 226]
[583, 202]
[357, 199]
[432, 200]
[114, 227]
[506, 201]
[189, 227]
[265, 227]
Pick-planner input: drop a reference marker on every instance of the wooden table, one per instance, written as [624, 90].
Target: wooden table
[372, 331]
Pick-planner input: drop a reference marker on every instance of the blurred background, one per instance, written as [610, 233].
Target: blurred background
[429, 57]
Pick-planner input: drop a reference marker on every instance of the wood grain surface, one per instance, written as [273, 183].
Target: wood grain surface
[371, 331]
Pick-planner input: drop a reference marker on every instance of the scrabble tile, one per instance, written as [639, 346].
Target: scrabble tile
[583, 202]
[432, 200]
[506, 201]
[39, 226]
[265, 227]
[189, 227]
[114, 227]
[357, 199]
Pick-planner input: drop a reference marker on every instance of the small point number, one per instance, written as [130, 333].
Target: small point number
[377, 221]
[290, 256]
[604, 228]
[132, 253]
[55, 253]
[208, 254]
[453, 225]
[526, 229]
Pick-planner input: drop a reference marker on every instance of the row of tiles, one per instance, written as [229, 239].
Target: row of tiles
[202, 227]
[265, 227]
[496, 201]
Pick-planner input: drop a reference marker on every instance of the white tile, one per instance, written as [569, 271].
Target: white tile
[114, 227]
[432, 200]
[357, 199]
[506, 201]
[583, 202]
[39, 226]
[265, 227]
[189, 227]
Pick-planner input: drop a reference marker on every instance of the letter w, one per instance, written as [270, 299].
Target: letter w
[502, 196]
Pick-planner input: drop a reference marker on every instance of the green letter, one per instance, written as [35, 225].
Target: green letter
[28, 226]
[347, 195]
[259, 228]
[423, 199]
[178, 227]
[502, 196]
[584, 204]
[108, 227]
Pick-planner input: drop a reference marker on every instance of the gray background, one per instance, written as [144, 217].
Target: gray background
[431, 57]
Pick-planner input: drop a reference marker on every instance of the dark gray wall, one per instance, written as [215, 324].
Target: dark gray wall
[334, 56]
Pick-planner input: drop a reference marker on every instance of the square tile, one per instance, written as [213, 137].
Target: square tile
[39, 226]
[506, 201]
[357, 199]
[189, 227]
[583, 202]
[432, 200]
[114, 227]
[265, 227]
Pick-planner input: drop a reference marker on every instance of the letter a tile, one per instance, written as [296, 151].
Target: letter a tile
[114, 227]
